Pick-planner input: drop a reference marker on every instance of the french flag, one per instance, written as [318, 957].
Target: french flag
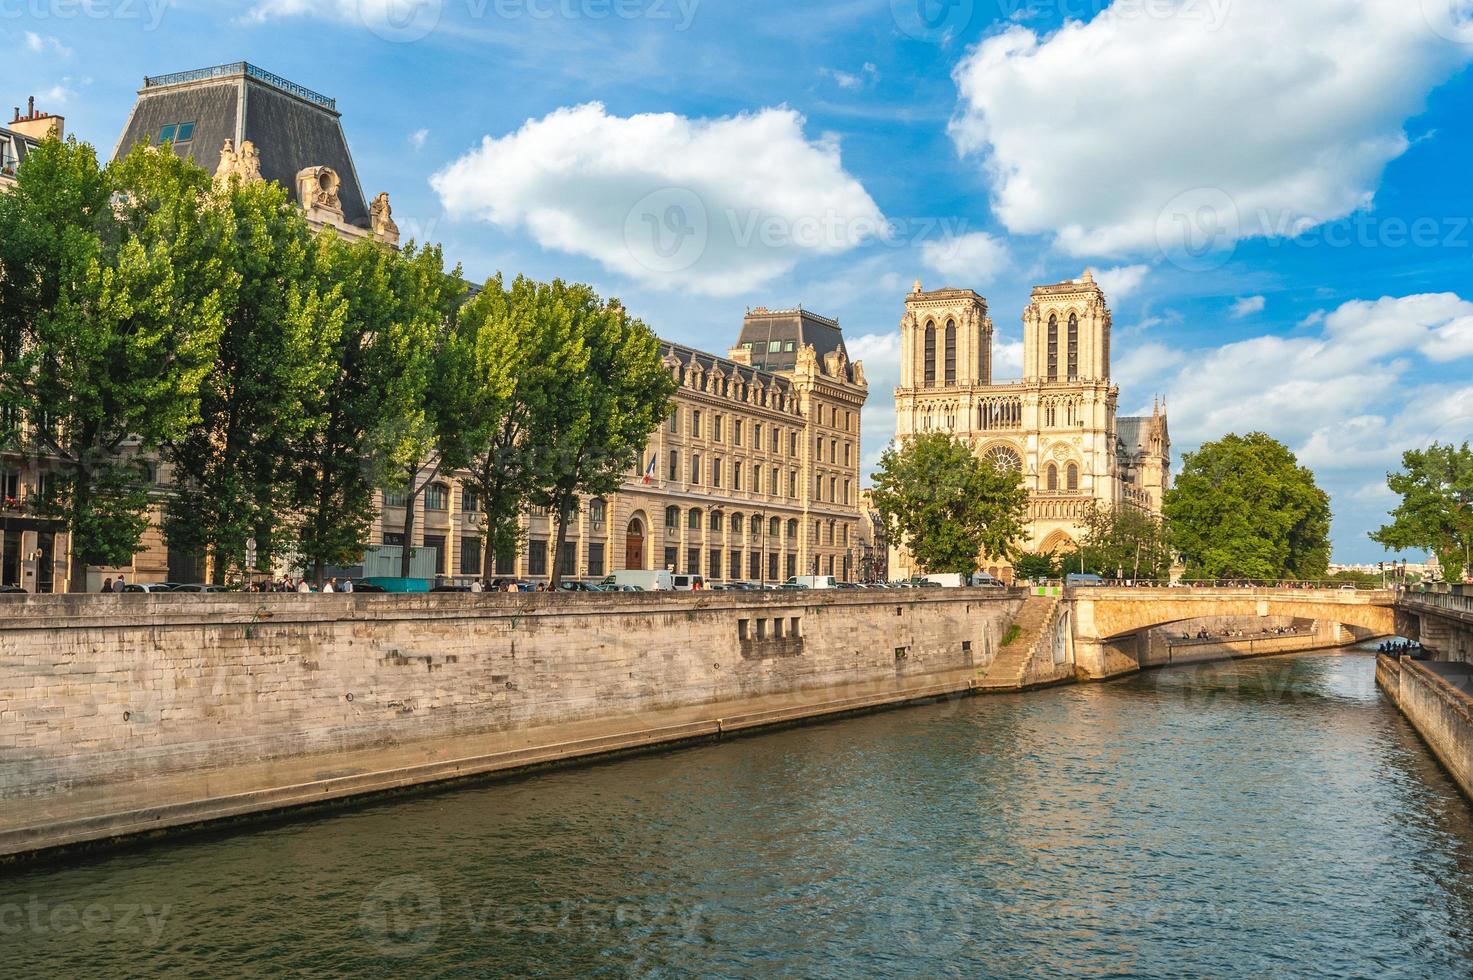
[649, 474]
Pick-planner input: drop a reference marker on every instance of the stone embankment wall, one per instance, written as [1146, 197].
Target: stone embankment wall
[95, 689]
[1435, 698]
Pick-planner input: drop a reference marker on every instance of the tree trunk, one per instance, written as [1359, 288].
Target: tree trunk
[408, 550]
[564, 505]
[77, 563]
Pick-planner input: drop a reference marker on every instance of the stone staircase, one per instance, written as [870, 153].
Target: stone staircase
[1008, 671]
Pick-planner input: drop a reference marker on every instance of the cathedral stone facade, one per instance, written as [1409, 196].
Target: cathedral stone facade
[1057, 426]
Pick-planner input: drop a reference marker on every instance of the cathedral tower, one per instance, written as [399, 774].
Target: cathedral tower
[945, 339]
[1066, 333]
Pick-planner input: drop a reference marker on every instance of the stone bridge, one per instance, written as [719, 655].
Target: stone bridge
[1108, 624]
[1441, 621]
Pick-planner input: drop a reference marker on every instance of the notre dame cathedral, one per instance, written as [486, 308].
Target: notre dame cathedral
[1057, 426]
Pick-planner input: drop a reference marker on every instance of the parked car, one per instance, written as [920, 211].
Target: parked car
[368, 588]
[848, 585]
[150, 587]
[451, 588]
[687, 583]
[580, 587]
[199, 588]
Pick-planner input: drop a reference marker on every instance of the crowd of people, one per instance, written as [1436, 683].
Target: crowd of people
[1206, 634]
[1399, 647]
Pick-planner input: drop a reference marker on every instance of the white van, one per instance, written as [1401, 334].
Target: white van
[660, 581]
[957, 581]
[812, 582]
[687, 583]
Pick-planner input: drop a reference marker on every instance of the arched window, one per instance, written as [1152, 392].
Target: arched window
[736, 523]
[693, 521]
[672, 517]
[792, 530]
[1053, 476]
[1073, 346]
[715, 520]
[930, 374]
[1073, 477]
[1053, 348]
[950, 352]
[437, 497]
[775, 527]
[597, 510]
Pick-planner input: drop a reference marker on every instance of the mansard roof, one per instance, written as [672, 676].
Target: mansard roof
[763, 327]
[292, 127]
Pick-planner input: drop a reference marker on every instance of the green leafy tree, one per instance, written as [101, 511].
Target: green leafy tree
[603, 416]
[229, 484]
[1244, 508]
[523, 350]
[111, 310]
[1436, 509]
[1030, 565]
[1123, 543]
[353, 441]
[430, 438]
[947, 506]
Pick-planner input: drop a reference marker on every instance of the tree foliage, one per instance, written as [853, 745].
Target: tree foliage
[112, 304]
[948, 507]
[1436, 509]
[604, 414]
[1243, 508]
[229, 468]
[1122, 543]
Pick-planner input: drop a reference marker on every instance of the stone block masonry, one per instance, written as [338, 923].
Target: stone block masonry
[1437, 698]
[102, 691]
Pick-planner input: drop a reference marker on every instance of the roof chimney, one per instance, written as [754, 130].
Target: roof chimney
[38, 125]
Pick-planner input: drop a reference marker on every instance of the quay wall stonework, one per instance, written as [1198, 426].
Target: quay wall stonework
[97, 689]
[1438, 708]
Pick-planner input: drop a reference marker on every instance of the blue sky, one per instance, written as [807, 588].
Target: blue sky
[1275, 196]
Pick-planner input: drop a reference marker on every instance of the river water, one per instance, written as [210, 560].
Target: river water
[1259, 818]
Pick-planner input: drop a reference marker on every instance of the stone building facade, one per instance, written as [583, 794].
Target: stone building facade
[1058, 426]
[754, 476]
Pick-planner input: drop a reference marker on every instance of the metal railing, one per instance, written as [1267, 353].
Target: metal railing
[242, 68]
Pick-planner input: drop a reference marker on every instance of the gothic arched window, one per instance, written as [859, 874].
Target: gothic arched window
[950, 352]
[1053, 348]
[1073, 346]
[1073, 477]
[930, 372]
[1053, 477]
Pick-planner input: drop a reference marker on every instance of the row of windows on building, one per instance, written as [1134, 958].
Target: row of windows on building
[830, 532]
[827, 489]
[718, 564]
[774, 397]
[436, 497]
[714, 428]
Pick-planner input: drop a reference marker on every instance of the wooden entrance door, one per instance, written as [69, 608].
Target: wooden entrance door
[634, 546]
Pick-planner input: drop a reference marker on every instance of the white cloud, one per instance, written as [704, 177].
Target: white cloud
[418, 137]
[41, 44]
[967, 260]
[1007, 359]
[1321, 393]
[1248, 305]
[1121, 281]
[1284, 110]
[716, 206]
[852, 81]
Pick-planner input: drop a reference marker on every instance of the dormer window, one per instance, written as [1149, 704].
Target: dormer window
[177, 133]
